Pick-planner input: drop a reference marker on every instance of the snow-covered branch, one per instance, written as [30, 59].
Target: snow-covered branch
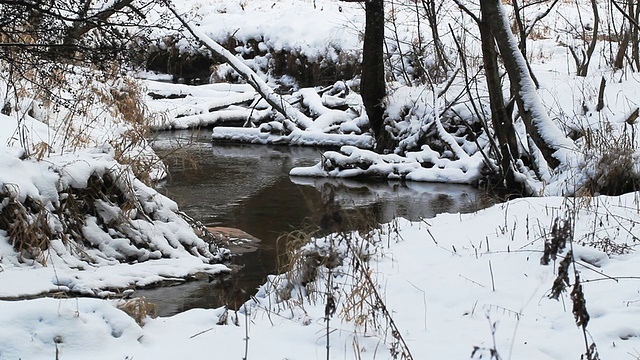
[275, 100]
[554, 145]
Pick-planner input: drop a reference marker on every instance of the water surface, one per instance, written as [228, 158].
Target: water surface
[248, 187]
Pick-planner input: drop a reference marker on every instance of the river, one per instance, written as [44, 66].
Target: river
[248, 187]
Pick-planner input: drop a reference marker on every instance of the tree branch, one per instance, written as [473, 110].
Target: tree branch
[83, 26]
[273, 99]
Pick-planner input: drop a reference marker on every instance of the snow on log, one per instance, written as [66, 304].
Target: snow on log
[425, 165]
[273, 133]
[275, 100]
[233, 115]
[444, 135]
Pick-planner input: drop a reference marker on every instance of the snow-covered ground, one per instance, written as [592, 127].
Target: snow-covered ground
[456, 286]
[451, 284]
[329, 29]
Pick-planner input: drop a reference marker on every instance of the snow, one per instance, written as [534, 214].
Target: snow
[357, 162]
[475, 272]
[309, 28]
[456, 286]
[329, 29]
[41, 324]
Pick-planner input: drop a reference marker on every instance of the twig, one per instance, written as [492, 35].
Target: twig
[493, 284]
[200, 333]
[424, 302]
[471, 281]
[246, 333]
[394, 328]
[432, 238]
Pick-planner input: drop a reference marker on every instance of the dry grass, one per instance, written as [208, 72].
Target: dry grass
[139, 309]
[85, 108]
[299, 265]
[359, 303]
[611, 154]
[335, 270]
[27, 226]
[126, 103]
[27, 222]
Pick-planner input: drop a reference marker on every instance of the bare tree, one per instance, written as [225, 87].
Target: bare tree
[582, 56]
[525, 27]
[72, 30]
[630, 35]
[548, 146]
[42, 40]
[431, 13]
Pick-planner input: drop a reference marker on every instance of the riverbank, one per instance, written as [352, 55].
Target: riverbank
[456, 286]
[266, 202]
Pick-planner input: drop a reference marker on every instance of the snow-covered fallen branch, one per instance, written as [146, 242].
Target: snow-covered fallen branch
[276, 101]
[272, 133]
[424, 165]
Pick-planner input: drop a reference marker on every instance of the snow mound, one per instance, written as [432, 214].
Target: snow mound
[66, 219]
[63, 328]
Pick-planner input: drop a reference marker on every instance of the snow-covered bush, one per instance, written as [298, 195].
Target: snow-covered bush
[80, 107]
[89, 206]
[612, 159]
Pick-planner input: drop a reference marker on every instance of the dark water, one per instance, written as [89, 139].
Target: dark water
[248, 187]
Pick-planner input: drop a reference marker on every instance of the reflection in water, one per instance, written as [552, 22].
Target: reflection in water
[248, 187]
[410, 200]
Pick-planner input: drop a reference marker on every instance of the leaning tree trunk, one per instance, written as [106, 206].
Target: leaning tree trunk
[552, 143]
[501, 120]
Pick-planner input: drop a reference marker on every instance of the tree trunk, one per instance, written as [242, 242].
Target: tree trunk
[583, 66]
[622, 50]
[549, 139]
[501, 120]
[442, 63]
[635, 13]
[373, 85]
[83, 25]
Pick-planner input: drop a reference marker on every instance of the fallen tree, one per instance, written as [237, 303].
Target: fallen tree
[276, 101]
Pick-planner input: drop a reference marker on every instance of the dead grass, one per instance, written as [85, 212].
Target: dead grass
[27, 222]
[139, 309]
[612, 156]
[334, 269]
[85, 108]
[126, 103]
[300, 263]
[27, 226]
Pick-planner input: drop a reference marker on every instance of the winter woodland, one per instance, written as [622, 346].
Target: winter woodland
[534, 100]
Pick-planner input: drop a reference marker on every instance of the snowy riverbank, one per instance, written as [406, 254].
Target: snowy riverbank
[78, 219]
[451, 284]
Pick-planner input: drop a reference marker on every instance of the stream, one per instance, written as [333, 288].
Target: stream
[248, 187]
